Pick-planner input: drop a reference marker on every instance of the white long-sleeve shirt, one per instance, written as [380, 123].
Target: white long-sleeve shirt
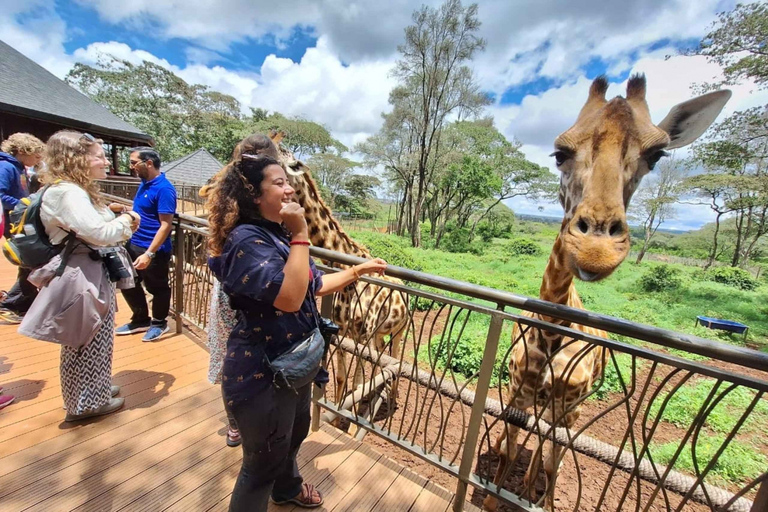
[67, 207]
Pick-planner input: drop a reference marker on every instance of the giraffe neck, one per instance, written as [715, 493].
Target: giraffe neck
[324, 230]
[558, 279]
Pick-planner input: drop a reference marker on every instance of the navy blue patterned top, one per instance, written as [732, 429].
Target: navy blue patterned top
[250, 269]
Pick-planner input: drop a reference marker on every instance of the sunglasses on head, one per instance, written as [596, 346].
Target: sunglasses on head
[87, 136]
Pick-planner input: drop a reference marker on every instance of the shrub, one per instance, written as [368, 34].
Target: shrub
[661, 278]
[523, 247]
[389, 247]
[732, 276]
[459, 240]
[461, 348]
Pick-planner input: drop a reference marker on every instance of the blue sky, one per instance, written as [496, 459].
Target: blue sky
[331, 61]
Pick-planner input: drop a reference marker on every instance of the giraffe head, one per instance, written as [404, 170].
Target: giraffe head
[602, 159]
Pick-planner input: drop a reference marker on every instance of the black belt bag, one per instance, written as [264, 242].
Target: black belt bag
[298, 366]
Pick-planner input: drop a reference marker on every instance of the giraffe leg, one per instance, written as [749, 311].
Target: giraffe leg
[506, 447]
[396, 339]
[341, 380]
[552, 460]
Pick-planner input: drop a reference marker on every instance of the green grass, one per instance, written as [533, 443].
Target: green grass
[619, 295]
[685, 404]
[739, 463]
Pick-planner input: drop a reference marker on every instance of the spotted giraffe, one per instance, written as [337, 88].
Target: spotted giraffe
[602, 159]
[364, 312]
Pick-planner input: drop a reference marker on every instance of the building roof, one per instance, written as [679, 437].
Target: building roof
[28, 89]
[194, 169]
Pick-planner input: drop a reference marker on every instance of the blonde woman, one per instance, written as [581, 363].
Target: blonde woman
[77, 307]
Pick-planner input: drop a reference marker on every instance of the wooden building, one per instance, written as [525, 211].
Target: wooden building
[35, 101]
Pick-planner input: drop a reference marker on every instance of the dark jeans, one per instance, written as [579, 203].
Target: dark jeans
[273, 424]
[230, 417]
[22, 294]
[155, 278]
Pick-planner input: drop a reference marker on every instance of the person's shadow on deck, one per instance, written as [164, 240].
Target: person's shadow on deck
[23, 389]
[5, 364]
[140, 388]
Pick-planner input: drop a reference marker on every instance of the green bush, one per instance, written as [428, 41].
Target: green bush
[732, 276]
[459, 240]
[461, 348]
[389, 247]
[661, 278]
[523, 247]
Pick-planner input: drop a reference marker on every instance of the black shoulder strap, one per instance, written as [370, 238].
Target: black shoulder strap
[70, 240]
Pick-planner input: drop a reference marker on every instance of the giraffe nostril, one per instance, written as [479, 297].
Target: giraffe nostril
[582, 225]
[617, 229]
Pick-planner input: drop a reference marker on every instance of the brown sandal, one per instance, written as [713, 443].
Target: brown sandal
[304, 499]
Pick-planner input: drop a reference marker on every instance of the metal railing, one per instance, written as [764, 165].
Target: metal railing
[187, 195]
[671, 421]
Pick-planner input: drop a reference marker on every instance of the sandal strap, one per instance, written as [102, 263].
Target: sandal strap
[309, 494]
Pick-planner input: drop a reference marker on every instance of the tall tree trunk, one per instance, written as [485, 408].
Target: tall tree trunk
[739, 235]
[713, 252]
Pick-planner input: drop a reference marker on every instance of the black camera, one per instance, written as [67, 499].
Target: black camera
[112, 262]
[328, 329]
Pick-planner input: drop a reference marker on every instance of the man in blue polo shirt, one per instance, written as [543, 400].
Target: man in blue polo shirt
[150, 246]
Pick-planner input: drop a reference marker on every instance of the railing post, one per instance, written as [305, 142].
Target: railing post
[478, 409]
[326, 310]
[761, 500]
[179, 276]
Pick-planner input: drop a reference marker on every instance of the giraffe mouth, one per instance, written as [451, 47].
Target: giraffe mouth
[585, 275]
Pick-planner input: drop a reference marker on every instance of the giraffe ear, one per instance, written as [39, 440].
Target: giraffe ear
[687, 121]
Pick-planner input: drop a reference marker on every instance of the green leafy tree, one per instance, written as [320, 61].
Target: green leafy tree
[331, 172]
[302, 137]
[654, 202]
[179, 116]
[737, 42]
[435, 83]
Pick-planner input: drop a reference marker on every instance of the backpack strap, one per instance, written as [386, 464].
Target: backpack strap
[70, 240]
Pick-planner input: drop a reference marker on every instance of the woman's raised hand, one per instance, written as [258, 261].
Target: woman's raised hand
[374, 266]
[293, 218]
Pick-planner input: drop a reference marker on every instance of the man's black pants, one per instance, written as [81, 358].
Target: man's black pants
[155, 278]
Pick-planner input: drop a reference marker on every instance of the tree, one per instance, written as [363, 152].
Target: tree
[302, 137]
[332, 173]
[435, 82]
[179, 116]
[714, 188]
[655, 201]
[738, 43]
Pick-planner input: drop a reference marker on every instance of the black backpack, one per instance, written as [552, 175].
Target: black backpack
[29, 245]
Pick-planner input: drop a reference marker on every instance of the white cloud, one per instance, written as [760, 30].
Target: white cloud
[346, 99]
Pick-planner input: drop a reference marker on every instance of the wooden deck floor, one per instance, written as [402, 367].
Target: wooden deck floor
[165, 450]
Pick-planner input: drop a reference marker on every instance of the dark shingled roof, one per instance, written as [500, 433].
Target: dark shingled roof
[194, 169]
[29, 90]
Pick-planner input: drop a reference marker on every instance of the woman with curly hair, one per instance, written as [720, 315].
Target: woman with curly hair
[76, 304]
[221, 317]
[259, 247]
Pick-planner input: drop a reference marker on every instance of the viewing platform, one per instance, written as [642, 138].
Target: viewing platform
[165, 450]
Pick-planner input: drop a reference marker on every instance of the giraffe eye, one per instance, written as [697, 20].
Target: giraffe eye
[654, 158]
[560, 157]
